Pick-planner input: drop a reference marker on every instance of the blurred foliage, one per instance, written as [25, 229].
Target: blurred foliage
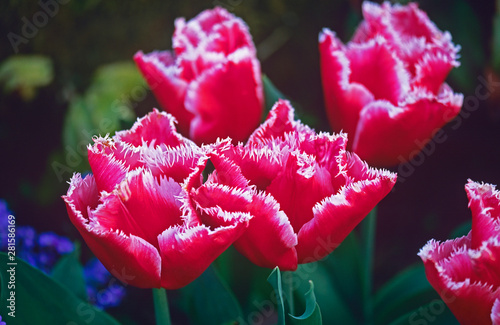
[40, 299]
[25, 73]
[115, 90]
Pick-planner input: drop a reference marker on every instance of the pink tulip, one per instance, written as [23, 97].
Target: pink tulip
[309, 193]
[136, 216]
[466, 271]
[386, 87]
[211, 82]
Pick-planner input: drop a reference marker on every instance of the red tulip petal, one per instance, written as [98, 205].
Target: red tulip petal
[344, 100]
[495, 312]
[108, 170]
[230, 36]
[187, 36]
[279, 122]
[434, 252]
[431, 71]
[176, 163]
[226, 100]
[141, 206]
[221, 197]
[337, 215]
[170, 90]
[259, 164]
[387, 135]
[486, 261]
[187, 252]
[450, 271]
[484, 202]
[191, 34]
[154, 129]
[470, 303]
[300, 185]
[129, 258]
[397, 24]
[269, 240]
[374, 66]
[209, 20]
[329, 151]
[82, 195]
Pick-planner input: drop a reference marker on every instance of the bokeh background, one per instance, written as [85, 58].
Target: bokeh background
[73, 76]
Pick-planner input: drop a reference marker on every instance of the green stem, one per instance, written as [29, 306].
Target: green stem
[288, 289]
[162, 314]
[368, 228]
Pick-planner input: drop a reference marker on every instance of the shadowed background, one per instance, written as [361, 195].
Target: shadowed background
[40, 154]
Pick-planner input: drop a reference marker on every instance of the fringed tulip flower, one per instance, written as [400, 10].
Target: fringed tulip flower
[309, 192]
[211, 82]
[386, 87]
[134, 213]
[466, 271]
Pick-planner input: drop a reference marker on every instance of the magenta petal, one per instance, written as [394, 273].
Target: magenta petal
[344, 100]
[82, 195]
[176, 163]
[486, 260]
[269, 240]
[108, 170]
[484, 202]
[434, 252]
[153, 129]
[170, 90]
[226, 100]
[279, 122]
[452, 273]
[495, 312]
[431, 71]
[129, 258]
[300, 185]
[231, 35]
[374, 65]
[260, 164]
[337, 215]
[141, 206]
[388, 135]
[187, 252]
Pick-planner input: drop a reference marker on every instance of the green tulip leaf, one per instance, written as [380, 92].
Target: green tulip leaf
[41, 300]
[275, 280]
[344, 267]
[408, 290]
[271, 93]
[210, 301]
[312, 314]
[435, 312]
[69, 272]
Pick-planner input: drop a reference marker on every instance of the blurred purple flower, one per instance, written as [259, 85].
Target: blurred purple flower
[44, 250]
[103, 289]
